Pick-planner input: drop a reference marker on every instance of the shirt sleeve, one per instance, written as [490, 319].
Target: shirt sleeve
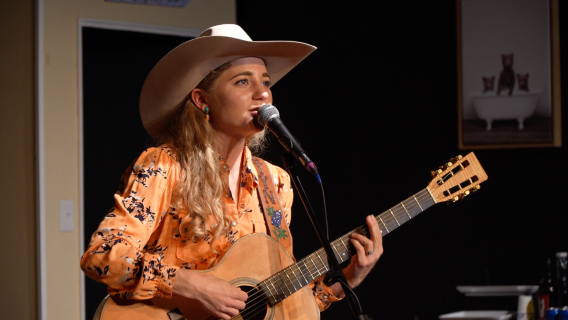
[322, 293]
[116, 254]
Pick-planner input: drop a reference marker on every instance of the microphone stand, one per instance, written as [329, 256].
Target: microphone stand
[334, 267]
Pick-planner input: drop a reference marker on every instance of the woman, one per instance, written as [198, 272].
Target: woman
[183, 204]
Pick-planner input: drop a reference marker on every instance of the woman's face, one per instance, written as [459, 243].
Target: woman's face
[237, 95]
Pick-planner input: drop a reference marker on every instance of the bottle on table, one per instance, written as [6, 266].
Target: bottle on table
[561, 286]
[562, 314]
[551, 313]
[545, 293]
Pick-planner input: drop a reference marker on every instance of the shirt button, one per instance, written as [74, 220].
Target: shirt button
[234, 223]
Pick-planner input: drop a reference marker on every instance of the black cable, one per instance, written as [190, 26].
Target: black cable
[324, 206]
[338, 278]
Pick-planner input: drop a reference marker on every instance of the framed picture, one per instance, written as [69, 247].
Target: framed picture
[508, 73]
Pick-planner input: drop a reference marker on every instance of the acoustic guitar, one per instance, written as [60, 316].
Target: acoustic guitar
[276, 286]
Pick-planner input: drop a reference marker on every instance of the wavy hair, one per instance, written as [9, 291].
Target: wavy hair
[201, 187]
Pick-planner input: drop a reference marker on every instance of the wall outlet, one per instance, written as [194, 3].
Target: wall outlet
[66, 215]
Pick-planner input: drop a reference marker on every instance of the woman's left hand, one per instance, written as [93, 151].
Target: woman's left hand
[368, 253]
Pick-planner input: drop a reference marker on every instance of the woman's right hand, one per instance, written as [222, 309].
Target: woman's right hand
[219, 297]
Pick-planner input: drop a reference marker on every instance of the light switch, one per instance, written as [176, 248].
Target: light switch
[66, 215]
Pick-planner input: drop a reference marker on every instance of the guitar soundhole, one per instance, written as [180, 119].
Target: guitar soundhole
[257, 304]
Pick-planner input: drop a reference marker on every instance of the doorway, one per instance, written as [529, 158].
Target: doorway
[114, 65]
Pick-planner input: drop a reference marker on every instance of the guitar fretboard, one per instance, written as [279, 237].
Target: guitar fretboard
[291, 279]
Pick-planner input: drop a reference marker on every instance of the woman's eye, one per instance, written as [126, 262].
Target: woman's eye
[243, 81]
[266, 83]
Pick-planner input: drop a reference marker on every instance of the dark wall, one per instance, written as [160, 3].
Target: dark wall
[376, 107]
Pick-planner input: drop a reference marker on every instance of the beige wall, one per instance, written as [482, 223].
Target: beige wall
[17, 190]
[61, 123]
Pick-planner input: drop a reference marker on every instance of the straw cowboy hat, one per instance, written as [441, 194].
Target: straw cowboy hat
[180, 71]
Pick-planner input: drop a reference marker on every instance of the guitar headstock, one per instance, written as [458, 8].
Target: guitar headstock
[456, 179]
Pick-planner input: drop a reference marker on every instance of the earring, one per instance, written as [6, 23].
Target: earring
[207, 114]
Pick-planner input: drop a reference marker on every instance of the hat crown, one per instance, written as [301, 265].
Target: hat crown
[226, 30]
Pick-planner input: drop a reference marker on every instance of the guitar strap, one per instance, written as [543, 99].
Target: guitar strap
[270, 204]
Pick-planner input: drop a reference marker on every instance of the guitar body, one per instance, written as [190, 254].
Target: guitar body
[250, 260]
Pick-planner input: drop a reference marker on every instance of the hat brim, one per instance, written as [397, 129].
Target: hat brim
[182, 69]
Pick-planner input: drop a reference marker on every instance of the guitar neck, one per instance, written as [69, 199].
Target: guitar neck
[293, 278]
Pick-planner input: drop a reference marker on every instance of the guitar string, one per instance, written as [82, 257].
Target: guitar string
[259, 306]
[296, 278]
[274, 282]
[259, 294]
[256, 308]
[285, 281]
[385, 218]
[402, 208]
[405, 208]
[319, 267]
[408, 208]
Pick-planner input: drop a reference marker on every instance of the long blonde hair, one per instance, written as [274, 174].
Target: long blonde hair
[201, 186]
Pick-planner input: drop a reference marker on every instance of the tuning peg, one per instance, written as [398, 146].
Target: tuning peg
[435, 173]
[459, 157]
[477, 187]
[454, 199]
[465, 194]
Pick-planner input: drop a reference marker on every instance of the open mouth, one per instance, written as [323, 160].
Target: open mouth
[254, 110]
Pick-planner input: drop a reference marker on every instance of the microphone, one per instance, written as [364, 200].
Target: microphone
[269, 117]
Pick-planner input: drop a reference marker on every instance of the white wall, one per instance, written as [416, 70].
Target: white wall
[59, 115]
[494, 27]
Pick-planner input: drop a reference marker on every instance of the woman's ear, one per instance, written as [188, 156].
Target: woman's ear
[199, 99]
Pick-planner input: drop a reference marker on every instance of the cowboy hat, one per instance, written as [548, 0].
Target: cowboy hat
[182, 69]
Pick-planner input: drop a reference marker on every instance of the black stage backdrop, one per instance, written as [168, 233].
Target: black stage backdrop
[376, 108]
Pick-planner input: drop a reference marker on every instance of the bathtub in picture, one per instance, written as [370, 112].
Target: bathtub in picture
[519, 106]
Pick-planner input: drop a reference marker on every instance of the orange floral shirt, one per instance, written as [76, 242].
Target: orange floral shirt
[138, 249]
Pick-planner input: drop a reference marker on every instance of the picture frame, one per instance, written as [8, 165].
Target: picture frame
[508, 74]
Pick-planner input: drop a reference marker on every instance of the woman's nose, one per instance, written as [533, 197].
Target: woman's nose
[262, 94]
